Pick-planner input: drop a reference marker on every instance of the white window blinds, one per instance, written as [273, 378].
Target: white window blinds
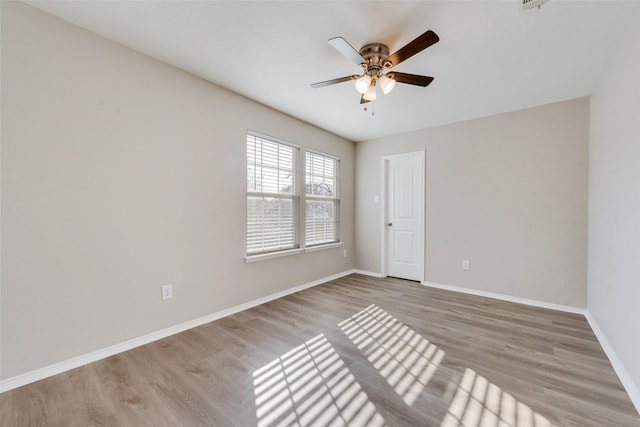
[272, 195]
[322, 198]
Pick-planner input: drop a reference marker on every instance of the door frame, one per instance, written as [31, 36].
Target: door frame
[384, 161]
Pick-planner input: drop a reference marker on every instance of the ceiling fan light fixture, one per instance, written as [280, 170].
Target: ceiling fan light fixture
[363, 83]
[386, 84]
[370, 94]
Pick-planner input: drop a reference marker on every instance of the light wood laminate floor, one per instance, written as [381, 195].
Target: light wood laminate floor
[355, 351]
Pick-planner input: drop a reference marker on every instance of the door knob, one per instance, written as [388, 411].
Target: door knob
[390, 224]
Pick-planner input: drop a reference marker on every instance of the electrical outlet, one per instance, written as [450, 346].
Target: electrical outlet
[465, 264]
[167, 291]
[345, 253]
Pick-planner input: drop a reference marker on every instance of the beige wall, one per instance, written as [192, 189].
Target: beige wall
[120, 174]
[507, 192]
[614, 205]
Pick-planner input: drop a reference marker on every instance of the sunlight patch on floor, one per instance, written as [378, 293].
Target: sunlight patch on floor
[311, 386]
[404, 358]
[479, 403]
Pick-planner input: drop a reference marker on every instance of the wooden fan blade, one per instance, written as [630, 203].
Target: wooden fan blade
[362, 100]
[412, 79]
[332, 81]
[418, 45]
[343, 46]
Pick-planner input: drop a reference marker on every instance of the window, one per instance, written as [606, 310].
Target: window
[322, 201]
[274, 186]
[272, 195]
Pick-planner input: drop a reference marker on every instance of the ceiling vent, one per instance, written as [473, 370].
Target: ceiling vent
[530, 4]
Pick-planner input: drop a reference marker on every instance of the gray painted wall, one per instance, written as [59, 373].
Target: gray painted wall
[507, 192]
[121, 174]
[614, 204]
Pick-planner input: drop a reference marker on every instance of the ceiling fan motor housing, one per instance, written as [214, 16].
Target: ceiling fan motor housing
[374, 53]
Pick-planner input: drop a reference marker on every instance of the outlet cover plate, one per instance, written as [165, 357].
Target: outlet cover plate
[167, 291]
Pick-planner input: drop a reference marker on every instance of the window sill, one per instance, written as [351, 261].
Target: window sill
[325, 246]
[260, 257]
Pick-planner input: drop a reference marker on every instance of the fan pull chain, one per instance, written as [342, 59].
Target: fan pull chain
[373, 108]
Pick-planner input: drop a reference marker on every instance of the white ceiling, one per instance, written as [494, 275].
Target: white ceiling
[491, 58]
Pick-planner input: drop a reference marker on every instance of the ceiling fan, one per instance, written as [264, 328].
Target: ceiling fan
[376, 63]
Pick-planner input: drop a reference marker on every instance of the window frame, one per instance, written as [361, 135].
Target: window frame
[294, 197]
[335, 199]
[299, 201]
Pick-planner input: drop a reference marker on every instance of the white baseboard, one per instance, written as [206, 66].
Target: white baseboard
[66, 365]
[368, 273]
[503, 297]
[630, 386]
[57, 368]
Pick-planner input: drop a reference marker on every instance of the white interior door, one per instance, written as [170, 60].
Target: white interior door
[405, 216]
